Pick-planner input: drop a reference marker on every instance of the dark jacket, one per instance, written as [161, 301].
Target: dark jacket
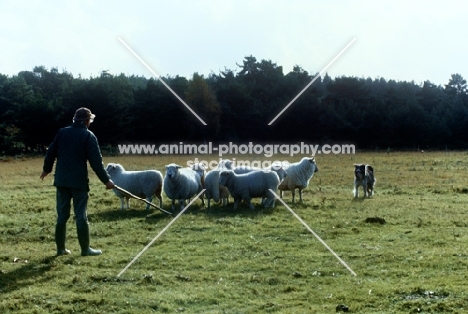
[73, 147]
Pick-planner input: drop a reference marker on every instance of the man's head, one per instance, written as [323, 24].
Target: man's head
[83, 114]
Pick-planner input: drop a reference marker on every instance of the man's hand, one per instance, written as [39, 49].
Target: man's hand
[43, 175]
[110, 185]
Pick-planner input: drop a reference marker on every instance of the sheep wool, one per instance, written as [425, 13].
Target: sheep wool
[200, 169]
[250, 185]
[181, 184]
[298, 175]
[214, 191]
[144, 183]
[276, 167]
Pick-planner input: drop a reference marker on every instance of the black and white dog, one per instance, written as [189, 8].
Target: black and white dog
[364, 176]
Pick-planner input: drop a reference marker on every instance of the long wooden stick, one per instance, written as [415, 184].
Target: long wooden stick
[128, 194]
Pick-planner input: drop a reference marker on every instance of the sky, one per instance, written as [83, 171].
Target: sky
[396, 40]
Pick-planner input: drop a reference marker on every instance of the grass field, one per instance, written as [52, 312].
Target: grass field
[263, 261]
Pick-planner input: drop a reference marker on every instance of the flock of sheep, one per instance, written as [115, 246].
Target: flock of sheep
[241, 183]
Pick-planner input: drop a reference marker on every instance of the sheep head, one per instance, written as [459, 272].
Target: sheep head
[172, 171]
[224, 176]
[113, 168]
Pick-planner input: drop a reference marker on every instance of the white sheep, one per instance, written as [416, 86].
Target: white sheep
[181, 184]
[200, 169]
[142, 183]
[250, 185]
[298, 175]
[277, 167]
[213, 189]
[225, 164]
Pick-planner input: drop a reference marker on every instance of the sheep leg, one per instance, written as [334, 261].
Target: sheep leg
[122, 203]
[249, 202]
[128, 202]
[159, 195]
[173, 205]
[269, 203]
[182, 203]
[216, 193]
[236, 203]
[160, 201]
[149, 199]
[269, 200]
[300, 195]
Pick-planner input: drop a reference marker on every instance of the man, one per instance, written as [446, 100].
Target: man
[73, 147]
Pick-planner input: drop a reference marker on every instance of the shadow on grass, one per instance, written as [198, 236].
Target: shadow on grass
[244, 210]
[31, 272]
[216, 210]
[359, 199]
[119, 215]
[229, 211]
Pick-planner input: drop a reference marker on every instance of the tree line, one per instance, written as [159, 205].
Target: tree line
[236, 105]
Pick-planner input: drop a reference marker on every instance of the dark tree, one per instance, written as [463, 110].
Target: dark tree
[237, 106]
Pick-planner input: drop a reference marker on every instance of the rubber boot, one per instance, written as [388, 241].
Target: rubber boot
[83, 239]
[60, 236]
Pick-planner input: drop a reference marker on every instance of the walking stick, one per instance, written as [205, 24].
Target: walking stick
[128, 194]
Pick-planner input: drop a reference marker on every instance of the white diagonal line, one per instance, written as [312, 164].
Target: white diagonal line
[313, 80]
[160, 233]
[312, 231]
[159, 78]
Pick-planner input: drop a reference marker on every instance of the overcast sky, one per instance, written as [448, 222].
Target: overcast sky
[400, 40]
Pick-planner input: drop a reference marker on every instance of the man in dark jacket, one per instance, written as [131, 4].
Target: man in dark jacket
[73, 147]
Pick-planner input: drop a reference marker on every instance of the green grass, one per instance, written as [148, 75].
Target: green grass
[263, 261]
